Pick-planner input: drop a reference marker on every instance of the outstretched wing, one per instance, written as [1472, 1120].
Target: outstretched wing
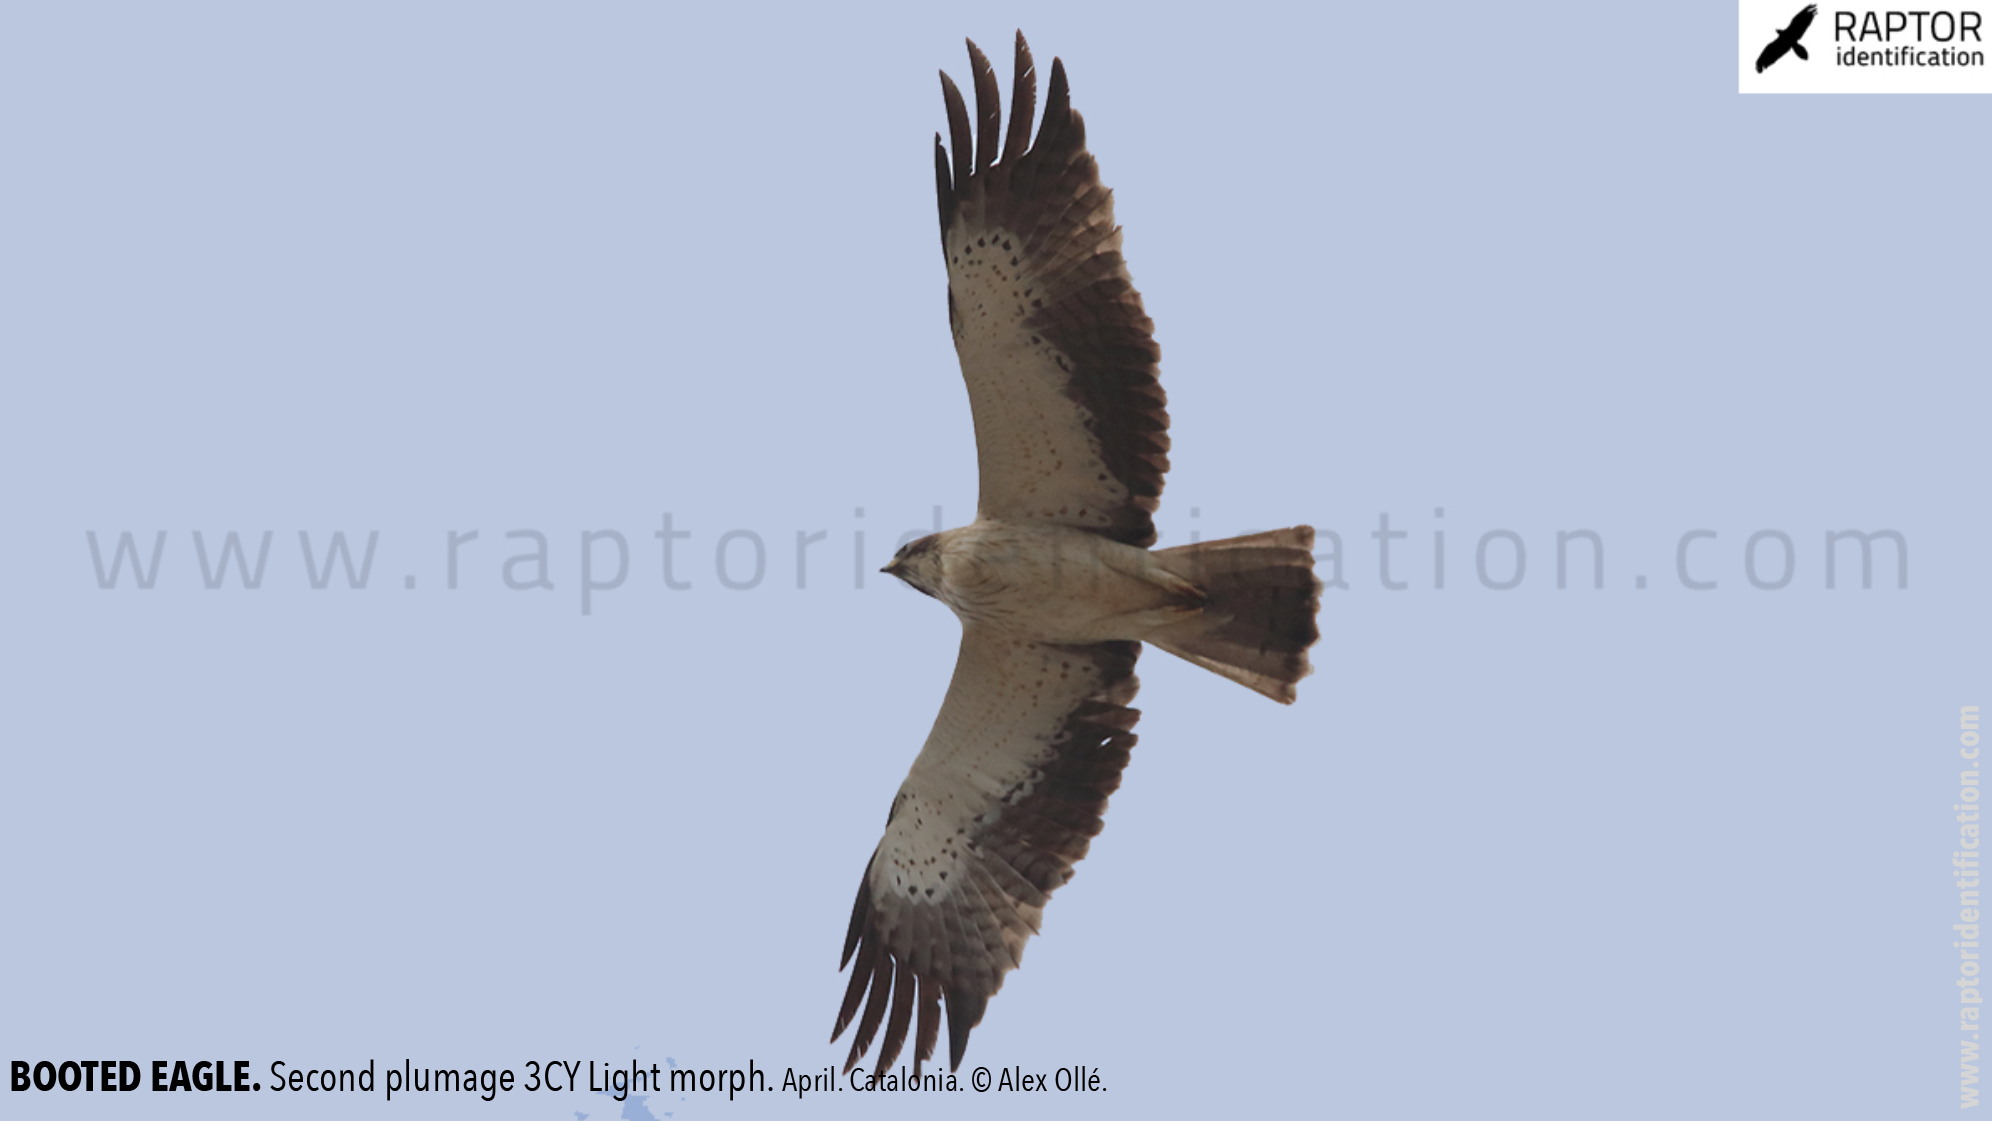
[1061, 366]
[1002, 801]
[1801, 21]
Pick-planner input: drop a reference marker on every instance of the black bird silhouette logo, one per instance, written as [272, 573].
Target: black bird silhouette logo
[1787, 39]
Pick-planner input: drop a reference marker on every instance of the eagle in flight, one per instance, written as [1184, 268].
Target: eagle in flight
[1054, 582]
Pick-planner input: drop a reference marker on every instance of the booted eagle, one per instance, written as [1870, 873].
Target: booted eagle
[1054, 582]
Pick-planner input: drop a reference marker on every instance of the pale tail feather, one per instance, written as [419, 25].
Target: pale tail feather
[1259, 597]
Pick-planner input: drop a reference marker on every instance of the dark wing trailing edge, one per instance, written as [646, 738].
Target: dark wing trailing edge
[1058, 353]
[1003, 800]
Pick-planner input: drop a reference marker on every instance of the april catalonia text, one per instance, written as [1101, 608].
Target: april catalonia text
[982, 1079]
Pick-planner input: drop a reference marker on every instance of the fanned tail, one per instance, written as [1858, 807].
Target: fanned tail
[1257, 617]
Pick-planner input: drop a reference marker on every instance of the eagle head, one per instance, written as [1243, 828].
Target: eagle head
[918, 563]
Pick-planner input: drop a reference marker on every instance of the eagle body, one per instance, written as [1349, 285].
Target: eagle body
[1055, 583]
[1047, 582]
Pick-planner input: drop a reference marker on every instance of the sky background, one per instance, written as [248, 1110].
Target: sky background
[417, 270]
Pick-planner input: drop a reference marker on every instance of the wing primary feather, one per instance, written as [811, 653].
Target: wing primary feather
[964, 1012]
[943, 184]
[947, 936]
[1023, 103]
[958, 134]
[881, 991]
[988, 107]
[860, 978]
[1057, 107]
[902, 1018]
[860, 914]
[929, 1030]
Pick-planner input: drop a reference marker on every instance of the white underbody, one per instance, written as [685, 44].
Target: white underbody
[1053, 584]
